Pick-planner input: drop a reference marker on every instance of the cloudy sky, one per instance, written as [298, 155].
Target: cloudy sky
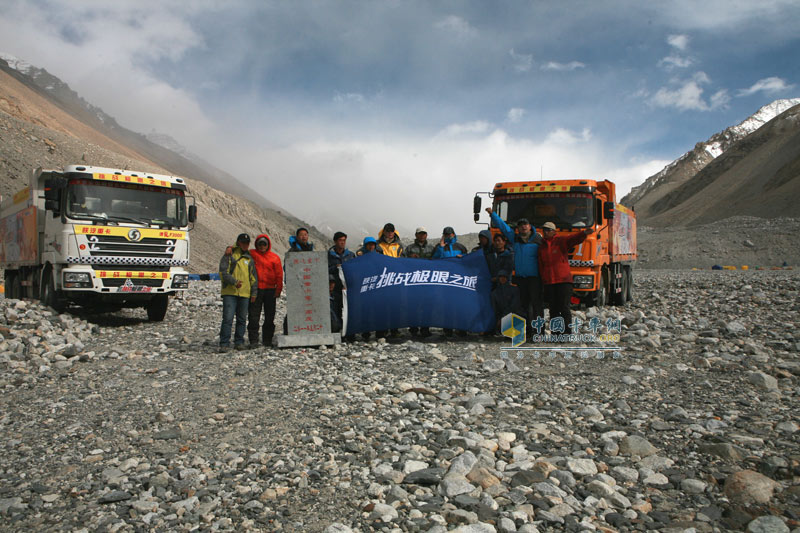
[401, 110]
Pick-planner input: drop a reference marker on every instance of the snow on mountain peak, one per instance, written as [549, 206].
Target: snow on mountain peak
[764, 115]
[15, 63]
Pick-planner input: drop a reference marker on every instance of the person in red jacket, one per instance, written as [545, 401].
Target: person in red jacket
[555, 272]
[270, 284]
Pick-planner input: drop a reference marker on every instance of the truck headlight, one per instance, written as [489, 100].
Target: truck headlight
[180, 281]
[77, 280]
[583, 282]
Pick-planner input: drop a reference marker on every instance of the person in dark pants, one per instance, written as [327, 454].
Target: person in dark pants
[505, 299]
[420, 249]
[338, 254]
[526, 264]
[270, 285]
[500, 258]
[556, 274]
[239, 287]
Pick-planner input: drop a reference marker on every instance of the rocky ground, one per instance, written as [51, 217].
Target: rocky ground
[111, 423]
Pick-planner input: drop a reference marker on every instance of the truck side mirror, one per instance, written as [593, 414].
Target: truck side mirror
[608, 210]
[52, 196]
[192, 213]
[476, 207]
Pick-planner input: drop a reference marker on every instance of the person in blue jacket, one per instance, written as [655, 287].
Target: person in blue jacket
[338, 254]
[525, 243]
[448, 245]
[299, 242]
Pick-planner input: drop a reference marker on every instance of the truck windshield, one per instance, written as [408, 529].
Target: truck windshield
[125, 202]
[565, 210]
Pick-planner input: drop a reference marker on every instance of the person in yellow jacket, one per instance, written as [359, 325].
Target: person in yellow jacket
[237, 271]
[389, 242]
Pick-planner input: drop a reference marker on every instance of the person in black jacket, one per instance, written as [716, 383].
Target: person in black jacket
[505, 299]
[500, 258]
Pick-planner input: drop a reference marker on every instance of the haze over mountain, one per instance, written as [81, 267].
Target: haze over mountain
[752, 168]
[39, 129]
[161, 149]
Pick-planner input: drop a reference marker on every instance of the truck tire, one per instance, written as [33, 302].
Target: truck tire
[629, 274]
[600, 298]
[13, 286]
[157, 308]
[622, 296]
[49, 295]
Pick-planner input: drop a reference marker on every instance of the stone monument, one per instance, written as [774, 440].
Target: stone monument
[308, 311]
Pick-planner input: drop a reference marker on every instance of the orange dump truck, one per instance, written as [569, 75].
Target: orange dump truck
[602, 266]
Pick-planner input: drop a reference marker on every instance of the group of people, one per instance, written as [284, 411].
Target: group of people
[525, 268]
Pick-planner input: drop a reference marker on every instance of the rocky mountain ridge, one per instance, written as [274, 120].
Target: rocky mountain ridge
[646, 195]
[179, 162]
[35, 131]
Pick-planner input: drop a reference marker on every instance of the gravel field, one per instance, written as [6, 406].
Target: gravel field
[111, 423]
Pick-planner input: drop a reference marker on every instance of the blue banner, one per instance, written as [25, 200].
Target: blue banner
[388, 293]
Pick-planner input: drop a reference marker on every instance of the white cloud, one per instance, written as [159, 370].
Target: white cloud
[341, 98]
[720, 99]
[515, 114]
[360, 172]
[688, 95]
[562, 67]
[565, 137]
[455, 130]
[681, 41]
[627, 177]
[107, 63]
[456, 26]
[771, 85]
[522, 62]
[676, 61]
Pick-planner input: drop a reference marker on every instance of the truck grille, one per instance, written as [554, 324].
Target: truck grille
[117, 246]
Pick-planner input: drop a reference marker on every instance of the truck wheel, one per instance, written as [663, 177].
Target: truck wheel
[601, 294]
[49, 295]
[629, 275]
[157, 308]
[622, 297]
[13, 287]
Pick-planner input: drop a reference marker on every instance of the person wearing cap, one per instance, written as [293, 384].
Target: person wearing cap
[237, 272]
[556, 274]
[389, 241]
[270, 285]
[299, 241]
[389, 245]
[420, 248]
[526, 263]
[504, 298]
[448, 245]
[338, 254]
[369, 245]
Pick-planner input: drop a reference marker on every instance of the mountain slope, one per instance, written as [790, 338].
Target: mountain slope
[757, 176]
[183, 164]
[36, 131]
[648, 195]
